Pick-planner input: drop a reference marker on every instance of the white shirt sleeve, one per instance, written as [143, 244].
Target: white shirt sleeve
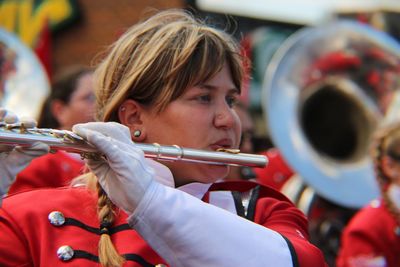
[186, 231]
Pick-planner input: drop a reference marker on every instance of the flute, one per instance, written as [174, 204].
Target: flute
[17, 134]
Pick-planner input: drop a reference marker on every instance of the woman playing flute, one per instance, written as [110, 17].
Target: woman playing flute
[169, 79]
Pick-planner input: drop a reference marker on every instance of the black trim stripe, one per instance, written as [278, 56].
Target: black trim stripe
[138, 259]
[112, 230]
[251, 210]
[81, 254]
[252, 203]
[295, 260]
[238, 204]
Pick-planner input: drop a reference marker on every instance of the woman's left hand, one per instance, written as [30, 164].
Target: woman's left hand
[123, 172]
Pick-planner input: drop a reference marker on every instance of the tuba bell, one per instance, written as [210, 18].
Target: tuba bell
[24, 84]
[325, 91]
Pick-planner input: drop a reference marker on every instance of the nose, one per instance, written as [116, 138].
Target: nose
[225, 117]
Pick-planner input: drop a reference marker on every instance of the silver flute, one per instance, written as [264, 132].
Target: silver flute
[18, 134]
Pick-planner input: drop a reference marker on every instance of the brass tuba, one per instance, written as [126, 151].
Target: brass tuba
[24, 83]
[326, 90]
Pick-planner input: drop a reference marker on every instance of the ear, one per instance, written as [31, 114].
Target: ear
[129, 114]
[58, 110]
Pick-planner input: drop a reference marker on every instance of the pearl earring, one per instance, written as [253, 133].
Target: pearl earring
[137, 133]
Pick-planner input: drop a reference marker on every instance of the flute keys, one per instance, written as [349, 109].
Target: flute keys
[91, 155]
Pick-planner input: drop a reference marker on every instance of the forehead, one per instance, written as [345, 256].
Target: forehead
[85, 80]
[222, 76]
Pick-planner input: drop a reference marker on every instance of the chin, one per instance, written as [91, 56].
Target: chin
[213, 173]
[185, 172]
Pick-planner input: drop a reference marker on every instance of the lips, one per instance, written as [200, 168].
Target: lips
[223, 143]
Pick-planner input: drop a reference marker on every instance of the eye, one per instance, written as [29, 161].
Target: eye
[204, 98]
[89, 98]
[232, 100]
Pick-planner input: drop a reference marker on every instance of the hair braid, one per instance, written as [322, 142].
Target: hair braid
[108, 255]
[379, 149]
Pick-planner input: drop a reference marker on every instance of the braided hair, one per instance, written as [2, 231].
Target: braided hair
[386, 143]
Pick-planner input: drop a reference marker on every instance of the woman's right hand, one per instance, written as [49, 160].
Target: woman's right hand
[14, 159]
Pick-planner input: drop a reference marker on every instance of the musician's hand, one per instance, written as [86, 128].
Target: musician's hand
[9, 117]
[124, 174]
[14, 159]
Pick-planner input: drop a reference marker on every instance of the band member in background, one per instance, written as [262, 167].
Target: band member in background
[71, 101]
[372, 237]
[277, 172]
[170, 79]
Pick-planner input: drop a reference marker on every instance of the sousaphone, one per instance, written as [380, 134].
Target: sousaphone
[24, 84]
[326, 90]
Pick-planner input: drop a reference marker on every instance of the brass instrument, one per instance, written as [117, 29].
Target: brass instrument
[18, 134]
[24, 84]
[326, 90]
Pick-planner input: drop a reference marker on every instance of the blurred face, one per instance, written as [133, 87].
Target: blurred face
[81, 106]
[391, 168]
[202, 118]
[246, 145]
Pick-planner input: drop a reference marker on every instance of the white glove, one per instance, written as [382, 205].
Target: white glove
[124, 173]
[14, 159]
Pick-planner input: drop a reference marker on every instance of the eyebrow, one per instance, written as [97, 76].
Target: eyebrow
[212, 87]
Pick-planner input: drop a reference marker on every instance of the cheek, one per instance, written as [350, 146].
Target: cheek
[79, 109]
[82, 111]
[187, 121]
[190, 132]
[165, 128]
[237, 128]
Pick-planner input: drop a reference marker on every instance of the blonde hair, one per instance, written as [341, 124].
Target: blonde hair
[154, 62]
[386, 142]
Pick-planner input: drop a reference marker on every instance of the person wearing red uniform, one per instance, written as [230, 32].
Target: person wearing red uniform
[372, 237]
[276, 173]
[50, 170]
[70, 102]
[170, 79]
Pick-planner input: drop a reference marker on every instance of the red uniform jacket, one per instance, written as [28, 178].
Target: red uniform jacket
[28, 238]
[371, 239]
[277, 171]
[50, 170]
